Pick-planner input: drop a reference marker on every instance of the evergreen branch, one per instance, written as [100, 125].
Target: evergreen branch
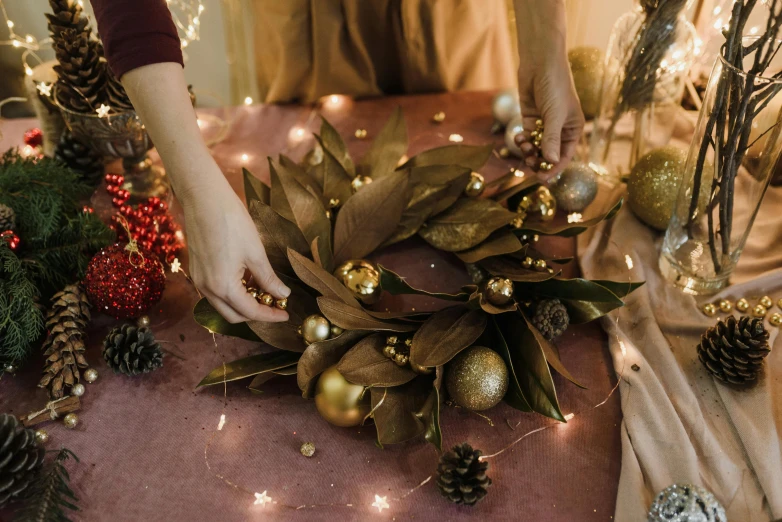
[50, 495]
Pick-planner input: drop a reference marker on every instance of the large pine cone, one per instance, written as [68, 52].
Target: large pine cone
[66, 321]
[551, 318]
[66, 14]
[461, 476]
[81, 72]
[132, 350]
[733, 350]
[20, 459]
[80, 158]
[7, 218]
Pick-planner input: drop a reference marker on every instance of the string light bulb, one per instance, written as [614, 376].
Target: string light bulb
[248, 101]
[261, 499]
[380, 503]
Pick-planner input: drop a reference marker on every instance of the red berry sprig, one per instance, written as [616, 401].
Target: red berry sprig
[12, 239]
[33, 137]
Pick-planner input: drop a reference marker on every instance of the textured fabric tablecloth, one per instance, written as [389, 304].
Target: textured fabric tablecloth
[680, 424]
[141, 441]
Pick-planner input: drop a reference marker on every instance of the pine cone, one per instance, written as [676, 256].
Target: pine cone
[461, 476]
[551, 318]
[116, 97]
[80, 158]
[132, 350]
[7, 218]
[66, 14]
[81, 73]
[66, 321]
[20, 459]
[733, 351]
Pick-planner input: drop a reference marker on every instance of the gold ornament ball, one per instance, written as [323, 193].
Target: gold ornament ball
[143, 321]
[505, 106]
[267, 299]
[477, 378]
[315, 328]
[759, 311]
[281, 303]
[389, 351]
[742, 305]
[653, 186]
[336, 331]
[307, 449]
[775, 319]
[401, 359]
[725, 306]
[499, 291]
[340, 402]
[766, 301]
[78, 389]
[70, 420]
[90, 375]
[576, 187]
[475, 186]
[527, 262]
[545, 203]
[359, 182]
[710, 310]
[361, 278]
[586, 64]
[409, 340]
[514, 127]
[41, 436]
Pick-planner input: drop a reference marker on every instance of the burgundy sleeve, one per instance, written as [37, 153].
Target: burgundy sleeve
[136, 33]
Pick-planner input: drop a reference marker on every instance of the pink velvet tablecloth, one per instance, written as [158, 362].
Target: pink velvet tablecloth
[141, 440]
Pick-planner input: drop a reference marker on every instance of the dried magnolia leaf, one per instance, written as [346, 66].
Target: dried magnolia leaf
[465, 224]
[318, 279]
[350, 318]
[395, 284]
[205, 315]
[315, 251]
[500, 242]
[277, 235]
[619, 288]
[254, 190]
[332, 142]
[336, 180]
[478, 298]
[414, 317]
[554, 228]
[585, 300]
[445, 334]
[514, 396]
[386, 149]
[397, 410]
[511, 268]
[508, 192]
[430, 415]
[249, 366]
[279, 335]
[471, 156]
[278, 198]
[298, 172]
[551, 353]
[321, 355]
[370, 217]
[366, 365]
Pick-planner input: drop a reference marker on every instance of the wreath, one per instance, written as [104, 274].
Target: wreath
[321, 219]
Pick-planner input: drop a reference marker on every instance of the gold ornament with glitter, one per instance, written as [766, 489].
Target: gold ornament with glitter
[586, 65]
[575, 188]
[477, 378]
[41, 436]
[71, 420]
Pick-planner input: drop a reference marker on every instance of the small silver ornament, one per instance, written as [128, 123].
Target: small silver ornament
[77, 389]
[575, 188]
[686, 503]
[505, 106]
[511, 131]
[41, 436]
[91, 375]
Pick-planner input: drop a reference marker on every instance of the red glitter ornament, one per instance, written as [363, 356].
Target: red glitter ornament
[151, 225]
[33, 137]
[12, 239]
[124, 280]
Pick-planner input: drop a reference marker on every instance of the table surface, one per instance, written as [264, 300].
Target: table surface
[141, 441]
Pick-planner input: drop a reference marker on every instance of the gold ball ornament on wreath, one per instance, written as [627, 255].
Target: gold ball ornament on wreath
[653, 186]
[475, 186]
[586, 65]
[340, 402]
[315, 328]
[575, 188]
[361, 278]
[498, 291]
[477, 378]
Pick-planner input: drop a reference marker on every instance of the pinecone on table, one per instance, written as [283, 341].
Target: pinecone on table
[81, 73]
[66, 321]
[461, 476]
[733, 350]
[7, 218]
[132, 350]
[551, 318]
[66, 14]
[20, 459]
[81, 158]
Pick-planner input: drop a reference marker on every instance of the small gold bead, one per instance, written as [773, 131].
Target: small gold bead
[546, 166]
[438, 117]
[779, 303]
[336, 331]
[392, 339]
[534, 134]
[550, 270]
[742, 305]
[409, 342]
[360, 133]
[524, 204]
[527, 263]
[333, 203]
[389, 351]
[710, 310]
[244, 282]
[759, 311]
[539, 123]
[41, 436]
[540, 264]
[517, 222]
[504, 152]
[254, 292]
[775, 319]
[725, 306]
[401, 359]
[298, 331]
[766, 301]
[267, 299]
[281, 303]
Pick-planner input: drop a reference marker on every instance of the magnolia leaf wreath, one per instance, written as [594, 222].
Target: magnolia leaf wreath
[330, 210]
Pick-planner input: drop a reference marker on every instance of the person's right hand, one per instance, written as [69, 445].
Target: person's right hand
[223, 243]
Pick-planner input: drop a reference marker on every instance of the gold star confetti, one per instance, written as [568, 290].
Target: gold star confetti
[176, 266]
[380, 503]
[45, 89]
[262, 499]
[103, 110]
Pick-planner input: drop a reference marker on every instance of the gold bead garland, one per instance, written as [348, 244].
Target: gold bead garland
[399, 351]
[742, 305]
[265, 298]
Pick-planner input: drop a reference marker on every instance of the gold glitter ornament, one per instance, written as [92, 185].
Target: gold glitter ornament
[586, 65]
[759, 311]
[742, 305]
[710, 310]
[575, 188]
[401, 359]
[438, 117]
[70, 420]
[653, 186]
[775, 319]
[307, 449]
[528, 262]
[498, 291]
[78, 389]
[361, 278]
[475, 185]
[41, 436]
[315, 328]
[766, 301]
[340, 402]
[725, 306]
[477, 378]
[358, 182]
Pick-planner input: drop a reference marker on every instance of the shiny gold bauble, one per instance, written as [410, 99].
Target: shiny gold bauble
[576, 187]
[775, 319]
[267, 299]
[307, 449]
[766, 301]
[725, 306]
[336, 331]
[544, 203]
[475, 186]
[281, 303]
[315, 328]
[70, 420]
[742, 305]
[340, 402]
[498, 291]
[759, 311]
[358, 182]
[540, 264]
[41, 436]
[586, 64]
[361, 278]
[779, 303]
[527, 262]
[653, 186]
[477, 378]
[710, 310]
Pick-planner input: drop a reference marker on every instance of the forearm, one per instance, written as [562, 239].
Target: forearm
[540, 28]
[159, 95]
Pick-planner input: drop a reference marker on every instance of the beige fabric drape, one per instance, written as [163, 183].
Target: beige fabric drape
[305, 49]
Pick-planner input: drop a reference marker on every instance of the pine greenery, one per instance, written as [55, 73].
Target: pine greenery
[57, 241]
[50, 495]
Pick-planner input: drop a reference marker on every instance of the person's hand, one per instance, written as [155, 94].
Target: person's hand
[223, 243]
[547, 93]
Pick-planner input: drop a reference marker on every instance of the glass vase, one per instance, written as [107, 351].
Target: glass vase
[648, 58]
[729, 165]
